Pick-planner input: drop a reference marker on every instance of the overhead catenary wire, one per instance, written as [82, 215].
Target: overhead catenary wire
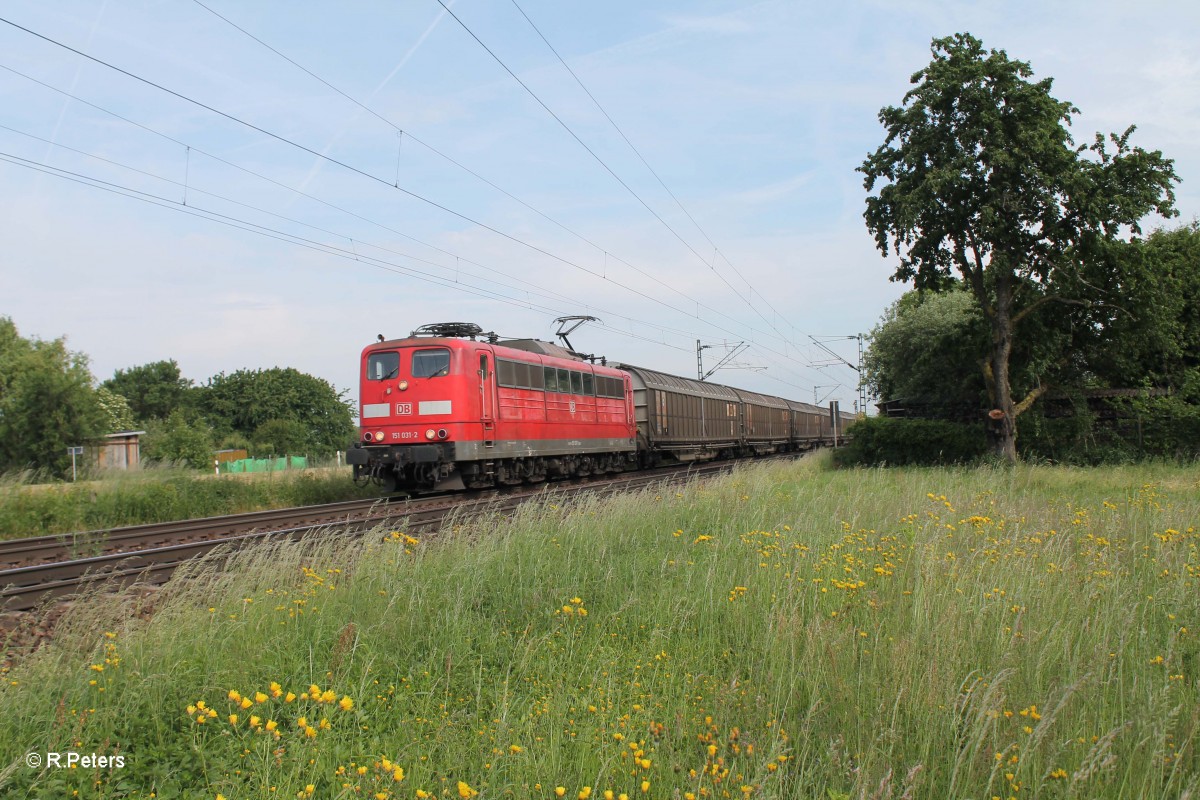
[387, 183]
[468, 170]
[538, 287]
[350, 253]
[363, 173]
[661, 183]
[291, 238]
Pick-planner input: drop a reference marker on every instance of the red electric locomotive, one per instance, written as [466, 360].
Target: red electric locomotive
[450, 407]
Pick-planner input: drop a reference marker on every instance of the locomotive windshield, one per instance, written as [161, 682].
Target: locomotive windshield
[381, 366]
[431, 363]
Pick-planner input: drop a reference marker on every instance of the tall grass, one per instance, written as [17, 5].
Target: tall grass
[785, 632]
[161, 495]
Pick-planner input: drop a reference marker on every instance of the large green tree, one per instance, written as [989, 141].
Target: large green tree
[926, 350]
[979, 176]
[47, 402]
[1152, 334]
[243, 401]
[153, 390]
[183, 439]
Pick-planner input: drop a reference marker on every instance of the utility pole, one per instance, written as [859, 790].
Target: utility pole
[700, 348]
[817, 402]
[862, 384]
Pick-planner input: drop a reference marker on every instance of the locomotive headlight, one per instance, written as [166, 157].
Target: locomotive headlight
[367, 436]
[379, 436]
[443, 433]
[430, 434]
[402, 385]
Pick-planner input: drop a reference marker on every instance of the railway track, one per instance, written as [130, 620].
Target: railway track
[140, 554]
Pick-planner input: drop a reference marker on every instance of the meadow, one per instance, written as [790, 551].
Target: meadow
[789, 631]
[160, 494]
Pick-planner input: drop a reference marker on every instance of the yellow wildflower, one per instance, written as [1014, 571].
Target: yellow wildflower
[465, 791]
[346, 703]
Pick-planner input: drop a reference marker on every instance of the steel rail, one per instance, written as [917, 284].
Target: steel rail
[66, 546]
[28, 587]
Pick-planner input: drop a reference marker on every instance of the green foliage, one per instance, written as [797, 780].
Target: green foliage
[182, 438]
[47, 403]
[1117, 431]
[153, 390]
[118, 416]
[980, 178]
[1152, 334]
[878, 441]
[163, 495]
[927, 348]
[279, 437]
[245, 400]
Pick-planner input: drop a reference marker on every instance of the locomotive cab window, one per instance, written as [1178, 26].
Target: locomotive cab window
[589, 388]
[382, 366]
[432, 363]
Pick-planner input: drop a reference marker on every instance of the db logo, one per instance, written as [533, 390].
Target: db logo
[403, 409]
[572, 406]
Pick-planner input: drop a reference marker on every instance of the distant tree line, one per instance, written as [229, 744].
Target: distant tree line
[49, 401]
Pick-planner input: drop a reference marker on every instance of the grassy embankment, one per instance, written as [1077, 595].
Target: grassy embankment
[161, 495]
[784, 633]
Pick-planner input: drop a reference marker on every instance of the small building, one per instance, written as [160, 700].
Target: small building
[121, 450]
[225, 456]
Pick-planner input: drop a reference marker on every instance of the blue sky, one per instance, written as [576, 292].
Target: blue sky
[746, 225]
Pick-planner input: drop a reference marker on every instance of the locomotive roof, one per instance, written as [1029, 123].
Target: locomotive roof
[539, 347]
[534, 346]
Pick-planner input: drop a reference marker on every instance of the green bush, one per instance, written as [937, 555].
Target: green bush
[1128, 430]
[922, 442]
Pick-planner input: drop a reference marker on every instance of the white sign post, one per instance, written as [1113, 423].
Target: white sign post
[74, 451]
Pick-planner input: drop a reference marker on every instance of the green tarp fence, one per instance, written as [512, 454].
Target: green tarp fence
[266, 464]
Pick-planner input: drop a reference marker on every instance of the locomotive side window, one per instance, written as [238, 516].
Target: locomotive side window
[576, 383]
[536, 376]
[381, 366]
[589, 387]
[564, 381]
[506, 373]
[551, 376]
[431, 363]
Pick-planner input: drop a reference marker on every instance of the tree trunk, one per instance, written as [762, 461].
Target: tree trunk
[1002, 429]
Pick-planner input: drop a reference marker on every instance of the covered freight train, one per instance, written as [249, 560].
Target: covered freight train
[450, 407]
